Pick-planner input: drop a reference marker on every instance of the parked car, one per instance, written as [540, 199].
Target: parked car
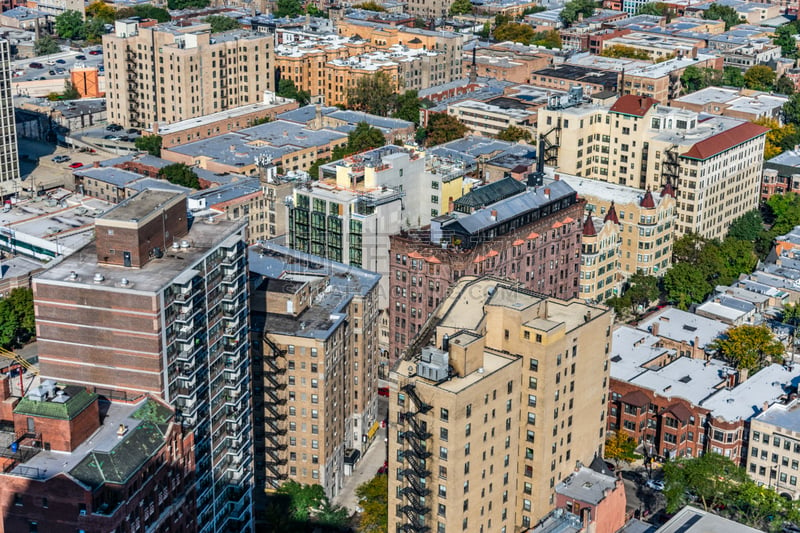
[61, 159]
[36, 65]
[60, 70]
[87, 150]
[132, 131]
[52, 72]
[655, 484]
[76, 165]
[114, 127]
[61, 61]
[383, 391]
[80, 57]
[50, 62]
[95, 52]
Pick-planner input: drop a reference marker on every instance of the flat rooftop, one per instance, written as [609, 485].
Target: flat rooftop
[782, 416]
[586, 485]
[683, 326]
[693, 520]
[621, 194]
[492, 363]
[139, 206]
[270, 101]
[632, 350]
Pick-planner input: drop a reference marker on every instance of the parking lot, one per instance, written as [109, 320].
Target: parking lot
[59, 64]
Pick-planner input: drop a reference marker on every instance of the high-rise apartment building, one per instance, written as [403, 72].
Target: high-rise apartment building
[713, 164]
[506, 402]
[9, 157]
[159, 304]
[318, 323]
[165, 73]
[528, 234]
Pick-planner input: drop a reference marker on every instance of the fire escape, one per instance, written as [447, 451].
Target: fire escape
[416, 474]
[670, 167]
[133, 87]
[274, 416]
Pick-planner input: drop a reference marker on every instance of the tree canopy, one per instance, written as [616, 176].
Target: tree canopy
[288, 8]
[641, 290]
[373, 94]
[220, 23]
[407, 106]
[101, 10]
[621, 50]
[759, 78]
[184, 4]
[460, 7]
[695, 78]
[658, 9]
[750, 347]
[309, 505]
[575, 9]
[514, 134]
[180, 174]
[732, 76]
[17, 321]
[785, 86]
[373, 497]
[145, 11]
[784, 37]
[724, 13]
[513, 31]
[150, 144]
[70, 25]
[287, 89]
[779, 138]
[46, 45]
[620, 447]
[441, 128]
[370, 6]
[747, 227]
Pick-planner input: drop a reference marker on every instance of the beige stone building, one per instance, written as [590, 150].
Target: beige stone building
[713, 165]
[503, 405]
[646, 222]
[774, 456]
[318, 325]
[600, 251]
[167, 73]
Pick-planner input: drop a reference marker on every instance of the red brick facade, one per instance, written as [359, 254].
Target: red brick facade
[58, 434]
[544, 256]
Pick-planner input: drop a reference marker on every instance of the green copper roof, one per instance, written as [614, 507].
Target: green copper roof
[79, 399]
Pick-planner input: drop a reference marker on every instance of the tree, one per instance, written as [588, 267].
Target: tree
[620, 447]
[304, 498]
[575, 9]
[460, 7]
[695, 78]
[785, 86]
[737, 257]
[70, 25]
[747, 227]
[549, 39]
[370, 6]
[724, 13]
[784, 37]
[70, 92]
[95, 29]
[514, 134]
[373, 497]
[785, 209]
[684, 285]
[791, 109]
[779, 138]
[185, 4]
[621, 50]
[711, 478]
[732, 76]
[45, 45]
[372, 94]
[9, 324]
[750, 347]
[759, 78]
[149, 143]
[17, 318]
[288, 8]
[364, 137]
[101, 10]
[659, 9]
[407, 106]
[287, 89]
[515, 32]
[313, 170]
[145, 11]
[180, 174]
[221, 23]
[442, 128]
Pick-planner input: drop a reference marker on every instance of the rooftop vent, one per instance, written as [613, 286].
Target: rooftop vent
[184, 244]
[73, 276]
[98, 278]
[176, 245]
[124, 282]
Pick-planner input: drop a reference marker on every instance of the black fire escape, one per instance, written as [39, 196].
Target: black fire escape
[415, 455]
[670, 167]
[133, 87]
[274, 416]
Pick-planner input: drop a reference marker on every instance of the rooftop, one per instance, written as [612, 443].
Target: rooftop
[632, 350]
[139, 206]
[784, 416]
[77, 399]
[589, 188]
[693, 520]
[747, 399]
[586, 485]
[578, 73]
[665, 68]
[683, 326]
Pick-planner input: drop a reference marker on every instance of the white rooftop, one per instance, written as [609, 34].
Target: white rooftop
[683, 326]
[747, 399]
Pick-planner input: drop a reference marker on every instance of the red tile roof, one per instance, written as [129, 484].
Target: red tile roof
[726, 140]
[612, 214]
[633, 105]
[647, 200]
[588, 227]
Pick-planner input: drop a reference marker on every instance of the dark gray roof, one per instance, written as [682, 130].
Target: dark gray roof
[489, 194]
[112, 175]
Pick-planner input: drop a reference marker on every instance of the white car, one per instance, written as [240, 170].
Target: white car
[50, 62]
[655, 485]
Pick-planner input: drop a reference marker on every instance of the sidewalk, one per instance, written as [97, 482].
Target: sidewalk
[366, 468]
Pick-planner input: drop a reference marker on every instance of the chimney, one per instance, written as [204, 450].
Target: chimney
[547, 192]
[743, 375]
[654, 328]
[765, 406]
[96, 164]
[155, 128]
[494, 215]
[557, 177]
[451, 205]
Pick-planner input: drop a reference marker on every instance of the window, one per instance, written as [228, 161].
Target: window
[444, 414]
[534, 365]
[443, 434]
[443, 453]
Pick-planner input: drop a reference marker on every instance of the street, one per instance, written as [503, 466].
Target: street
[640, 498]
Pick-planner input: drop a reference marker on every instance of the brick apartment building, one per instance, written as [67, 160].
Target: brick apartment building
[72, 468]
[531, 236]
[156, 306]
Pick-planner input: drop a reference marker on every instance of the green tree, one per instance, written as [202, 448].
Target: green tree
[95, 29]
[620, 447]
[659, 9]
[574, 9]
[684, 285]
[145, 11]
[791, 109]
[785, 209]
[17, 320]
[533, 10]
[784, 37]
[738, 257]
[512, 31]
[549, 39]
[732, 77]
[695, 78]
[70, 92]
[149, 143]
[442, 128]
[373, 94]
[9, 324]
[373, 497]
[486, 31]
[747, 227]
[314, 11]
[759, 78]
[779, 138]
[784, 86]
[70, 25]
[724, 13]
[287, 89]
[460, 7]
[304, 498]
[45, 45]
[750, 347]
[186, 4]
[288, 8]
[711, 478]
[407, 106]
[621, 50]
[180, 174]
[100, 10]
[331, 516]
[514, 134]
[313, 170]
[221, 23]
[364, 137]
